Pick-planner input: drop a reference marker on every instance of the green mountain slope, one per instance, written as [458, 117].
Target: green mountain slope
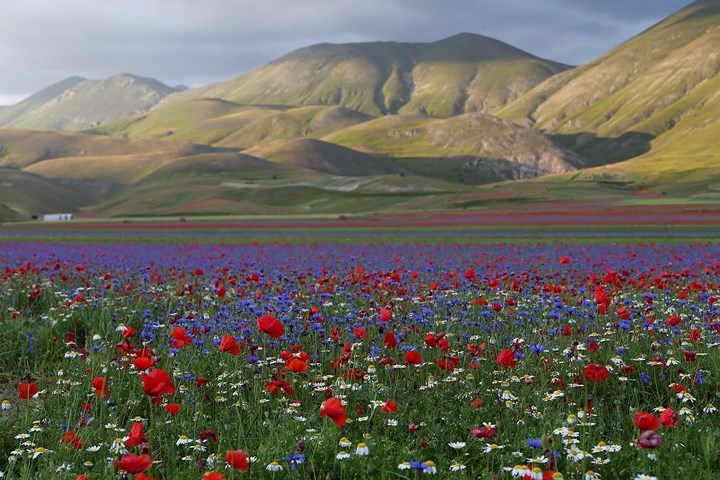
[23, 194]
[463, 73]
[77, 103]
[226, 124]
[325, 157]
[20, 148]
[470, 148]
[635, 98]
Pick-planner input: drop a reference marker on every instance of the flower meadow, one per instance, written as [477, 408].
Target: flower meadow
[328, 361]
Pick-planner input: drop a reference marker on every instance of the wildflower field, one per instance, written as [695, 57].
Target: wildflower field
[337, 361]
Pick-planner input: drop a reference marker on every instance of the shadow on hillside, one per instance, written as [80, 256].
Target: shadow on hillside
[467, 170]
[606, 150]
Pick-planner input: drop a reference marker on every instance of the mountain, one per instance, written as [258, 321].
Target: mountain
[77, 103]
[23, 194]
[463, 73]
[470, 149]
[226, 124]
[657, 93]
[325, 157]
[381, 126]
[21, 148]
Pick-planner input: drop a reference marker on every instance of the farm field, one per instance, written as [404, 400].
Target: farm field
[574, 360]
[584, 221]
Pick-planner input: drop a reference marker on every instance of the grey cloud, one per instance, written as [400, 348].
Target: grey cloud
[195, 42]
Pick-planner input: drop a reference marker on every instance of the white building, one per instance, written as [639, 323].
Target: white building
[57, 217]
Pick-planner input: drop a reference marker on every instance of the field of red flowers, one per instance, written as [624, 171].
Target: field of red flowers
[326, 360]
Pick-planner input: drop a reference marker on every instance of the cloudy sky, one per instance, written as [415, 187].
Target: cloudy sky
[194, 42]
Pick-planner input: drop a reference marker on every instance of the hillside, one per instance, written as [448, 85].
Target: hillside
[463, 73]
[655, 93]
[23, 194]
[470, 149]
[325, 157]
[20, 148]
[77, 103]
[225, 124]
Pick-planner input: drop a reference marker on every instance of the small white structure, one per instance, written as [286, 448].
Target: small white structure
[57, 217]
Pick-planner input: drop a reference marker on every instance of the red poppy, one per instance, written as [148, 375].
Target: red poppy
[430, 340]
[389, 407]
[360, 333]
[646, 421]
[506, 358]
[385, 315]
[82, 477]
[135, 463]
[564, 260]
[180, 337]
[297, 365]
[128, 331]
[172, 408]
[390, 340]
[27, 390]
[213, 476]
[142, 476]
[136, 436]
[228, 344]
[100, 386]
[694, 335]
[669, 417]
[143, 363]
[157, 382]
[274, 386]
[333, 408]
[237, 459]
[413, 357]
[483, 432]
[71, 438]
[270, 325]
[597, 372]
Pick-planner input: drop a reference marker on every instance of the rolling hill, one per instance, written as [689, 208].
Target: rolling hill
[225, 124]
[472, 148]
[77, 103]
[325, 157]
[463, 73]
[656, 92]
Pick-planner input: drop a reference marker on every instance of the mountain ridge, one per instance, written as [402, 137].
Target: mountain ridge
[377, 78]
[77, 103]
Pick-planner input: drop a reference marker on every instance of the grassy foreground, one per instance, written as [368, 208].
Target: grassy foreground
[359, 361]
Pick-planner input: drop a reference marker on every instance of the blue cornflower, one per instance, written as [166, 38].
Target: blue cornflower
[534, 442]
[295, 459]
